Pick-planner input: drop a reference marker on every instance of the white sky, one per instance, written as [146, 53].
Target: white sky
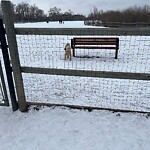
[84, 7]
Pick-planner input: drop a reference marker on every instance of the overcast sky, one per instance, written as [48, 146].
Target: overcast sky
[84, 6]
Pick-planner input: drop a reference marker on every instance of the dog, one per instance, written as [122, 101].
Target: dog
[68, 51]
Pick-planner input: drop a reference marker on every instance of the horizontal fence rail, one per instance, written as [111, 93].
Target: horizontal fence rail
[84, 31]
[89, 108]
[85, 73]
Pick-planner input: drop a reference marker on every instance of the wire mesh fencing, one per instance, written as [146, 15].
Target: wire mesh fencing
[86, 91]
[47, 51]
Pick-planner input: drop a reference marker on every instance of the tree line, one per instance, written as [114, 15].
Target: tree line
[24, 12]
[130, 15]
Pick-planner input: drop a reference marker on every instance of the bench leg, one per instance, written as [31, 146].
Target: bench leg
[73, 51]
[116, 54]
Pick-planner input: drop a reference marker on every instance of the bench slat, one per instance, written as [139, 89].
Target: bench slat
[95, 43]
[87, 47]
[95, 39]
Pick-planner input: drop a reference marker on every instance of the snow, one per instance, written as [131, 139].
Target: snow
[62, 128]
[69, 129]
[55, 24]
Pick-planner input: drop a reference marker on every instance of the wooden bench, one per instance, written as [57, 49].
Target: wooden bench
[95, 43]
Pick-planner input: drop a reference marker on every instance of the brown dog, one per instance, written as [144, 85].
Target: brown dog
[67, 51]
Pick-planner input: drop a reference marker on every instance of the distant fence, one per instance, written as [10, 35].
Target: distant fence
[123, 24]
[40, 51]
[93, 23]
[116, 24]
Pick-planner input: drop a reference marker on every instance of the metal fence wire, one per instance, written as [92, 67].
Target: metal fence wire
[47, 51]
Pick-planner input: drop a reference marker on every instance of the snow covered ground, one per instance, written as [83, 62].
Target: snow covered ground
[62, 128]
[55, 24]
[70, 129]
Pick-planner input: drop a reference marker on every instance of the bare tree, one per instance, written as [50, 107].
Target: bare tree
[35, 13]
[22, 11]
[54, 14]
[54, 11]
[135, 14]
[25, 13]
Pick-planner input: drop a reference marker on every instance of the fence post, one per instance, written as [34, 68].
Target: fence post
[14, 55]
[8, 68]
